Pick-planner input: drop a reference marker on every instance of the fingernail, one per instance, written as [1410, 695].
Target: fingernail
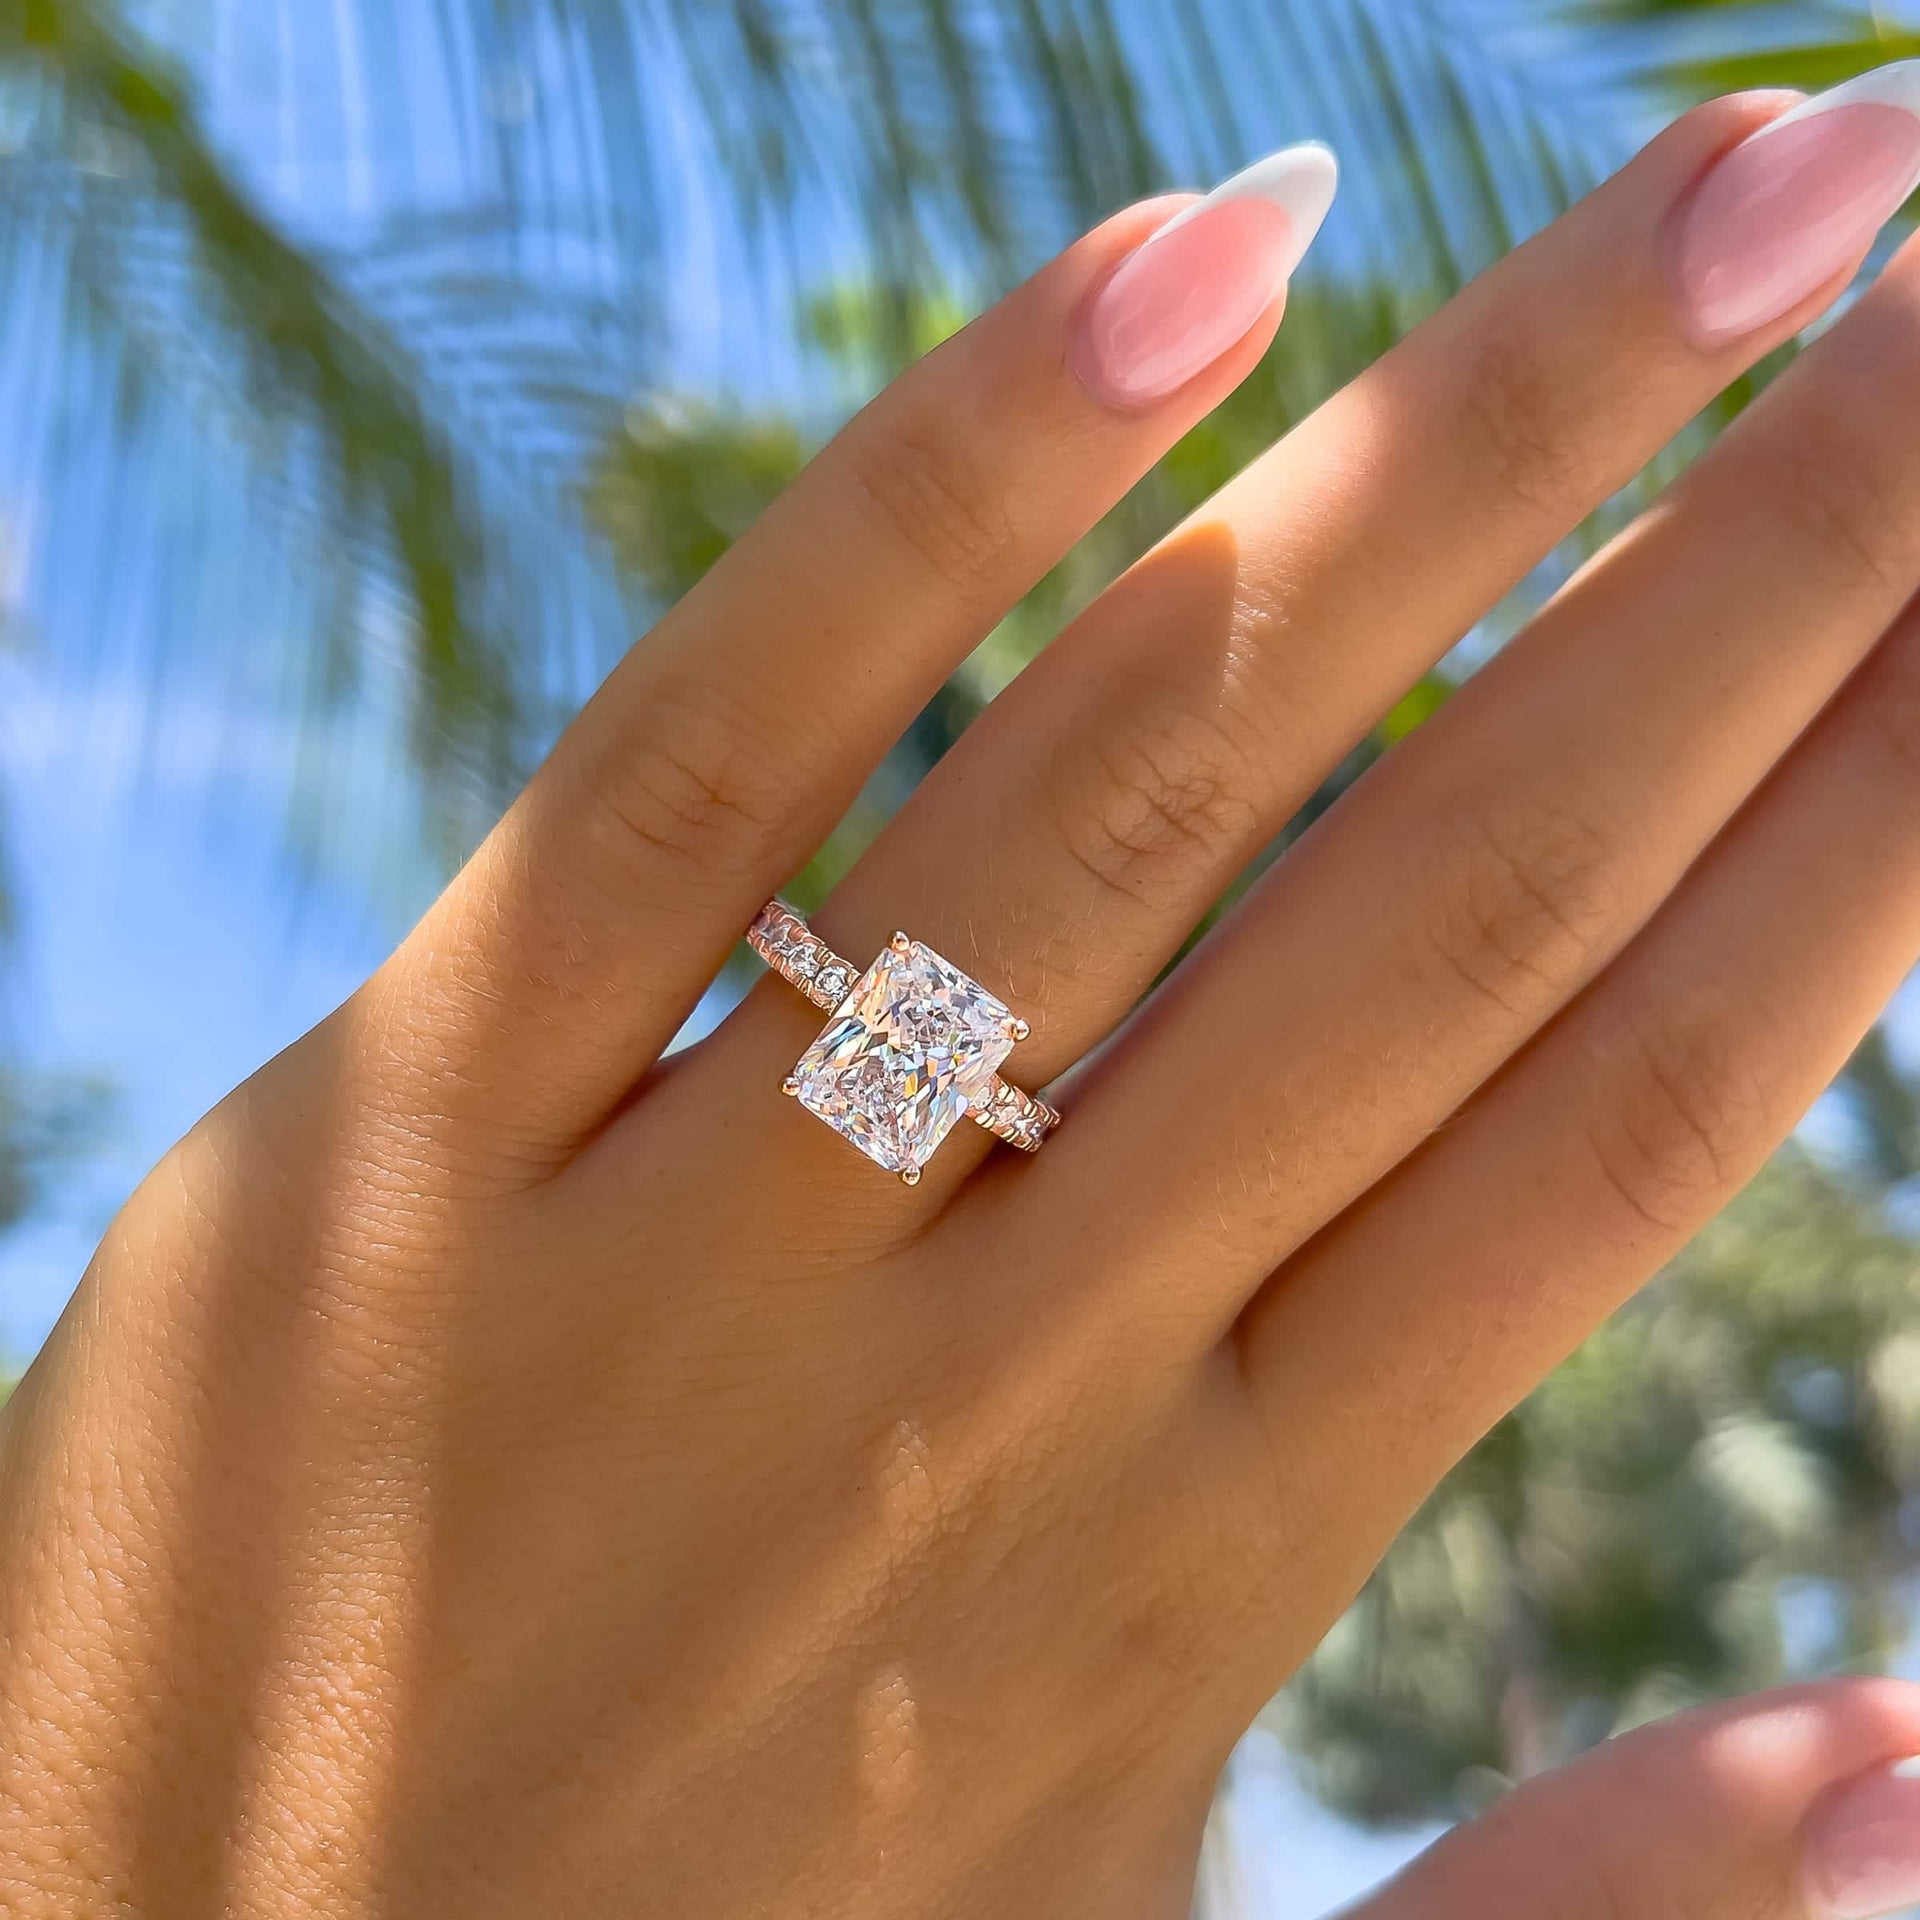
[1862, 1847]
[1797, 203]
[1195, 286]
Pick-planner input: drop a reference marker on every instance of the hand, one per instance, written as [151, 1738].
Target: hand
[492, 1470]
[1781, 1806]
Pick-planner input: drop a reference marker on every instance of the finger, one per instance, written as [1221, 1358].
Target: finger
[1477, 879]
[1785, 1805]
[725, 746]
[1386, 1347]
[1066, 846]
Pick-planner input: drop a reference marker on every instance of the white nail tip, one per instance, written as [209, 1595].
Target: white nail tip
[1300, 180]
[1894, 85]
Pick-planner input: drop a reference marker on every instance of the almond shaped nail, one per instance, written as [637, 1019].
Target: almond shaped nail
[1796, 204]
[1198, 284]
[1894, 85]
[1300, 180]
[1862, 1848]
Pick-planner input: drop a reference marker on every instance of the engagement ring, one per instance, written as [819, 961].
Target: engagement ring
[912, 1045]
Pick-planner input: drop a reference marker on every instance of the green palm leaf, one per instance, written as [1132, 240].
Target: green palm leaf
[406, 461]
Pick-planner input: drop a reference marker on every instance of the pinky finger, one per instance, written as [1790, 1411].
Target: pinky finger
[1393, 1341]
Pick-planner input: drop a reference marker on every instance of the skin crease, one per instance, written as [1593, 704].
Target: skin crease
[485, 1471]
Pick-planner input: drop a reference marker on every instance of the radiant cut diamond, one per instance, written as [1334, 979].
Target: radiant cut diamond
[913, 1049]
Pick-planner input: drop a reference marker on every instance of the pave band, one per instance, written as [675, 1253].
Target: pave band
[960, 1030]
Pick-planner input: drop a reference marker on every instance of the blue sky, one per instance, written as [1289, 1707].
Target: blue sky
[164, 948]
[167, 941]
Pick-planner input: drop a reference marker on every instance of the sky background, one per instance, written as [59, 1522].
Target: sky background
[167, 942]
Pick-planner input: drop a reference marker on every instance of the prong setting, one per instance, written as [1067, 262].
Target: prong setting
[905, 1023]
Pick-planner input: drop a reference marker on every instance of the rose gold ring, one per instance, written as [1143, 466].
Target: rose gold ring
[913, 1043]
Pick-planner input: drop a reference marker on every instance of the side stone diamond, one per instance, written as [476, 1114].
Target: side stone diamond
[773, 932]
[911, 1049]
[832, 982]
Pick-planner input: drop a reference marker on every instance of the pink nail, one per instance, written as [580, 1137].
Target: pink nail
[1863, 1848]
[1796, 204]
[1199, 284]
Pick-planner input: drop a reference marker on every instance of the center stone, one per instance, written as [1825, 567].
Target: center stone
[913, 1046]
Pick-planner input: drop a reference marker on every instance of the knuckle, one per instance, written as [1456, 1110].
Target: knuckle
[692, 786]
[1891, 707]
[1599, 1887]
[914, 486]
[1687, 1106]
[1845, 506]
[1153, 804]
[1523, 413]
[1166, 1639]
[1660, 1787]
[1591, 1877]
[1528, 901]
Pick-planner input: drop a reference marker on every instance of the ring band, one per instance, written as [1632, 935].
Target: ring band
[913, 1043]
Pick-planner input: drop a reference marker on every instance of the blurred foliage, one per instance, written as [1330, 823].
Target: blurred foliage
[49, 1119]
[295, 344]
[681, 483]
[412, 440]
[47, 1122]
[413, 453]
[1720, 1491]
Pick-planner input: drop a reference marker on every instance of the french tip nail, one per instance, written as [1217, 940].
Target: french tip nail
[1861, 1848]
[1797, 204]
[1301, 180]
[1175, 304]
[1897, 84]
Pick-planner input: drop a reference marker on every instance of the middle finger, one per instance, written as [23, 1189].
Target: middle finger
[1483, 873]
[1063, 851]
